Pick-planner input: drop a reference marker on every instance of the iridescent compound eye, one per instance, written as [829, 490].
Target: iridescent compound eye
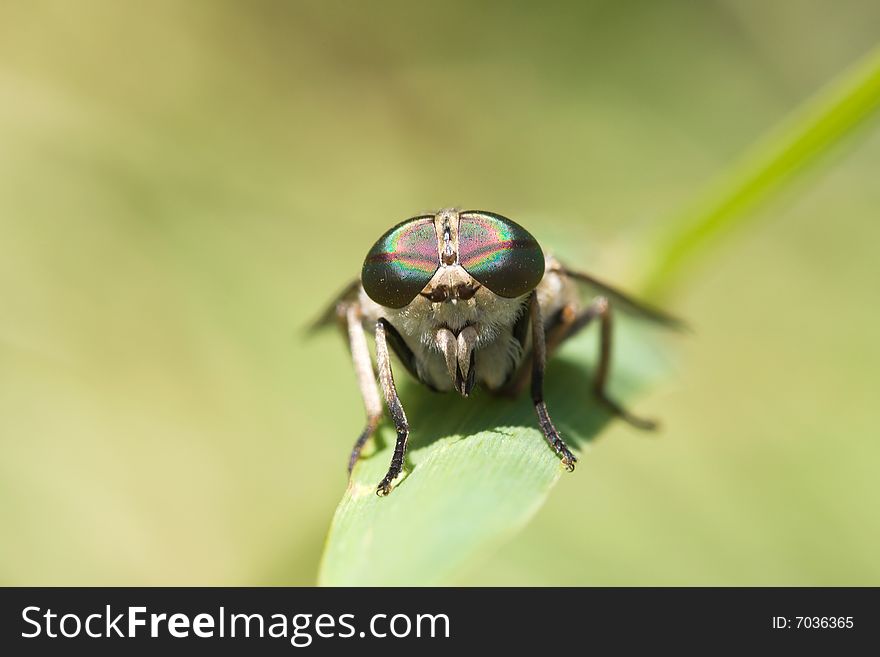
[401, 262]
[499, 253]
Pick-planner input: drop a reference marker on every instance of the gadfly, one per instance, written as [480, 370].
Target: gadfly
[465, 299]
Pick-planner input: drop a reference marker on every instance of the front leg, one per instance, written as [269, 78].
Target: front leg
[386, 380]
[539, 360]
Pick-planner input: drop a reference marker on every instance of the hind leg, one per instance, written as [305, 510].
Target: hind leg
[571, 324]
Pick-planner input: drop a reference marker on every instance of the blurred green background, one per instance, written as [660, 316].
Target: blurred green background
[183, 186]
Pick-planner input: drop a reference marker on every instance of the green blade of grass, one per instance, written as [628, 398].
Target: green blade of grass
[800, 141]
[479, 469]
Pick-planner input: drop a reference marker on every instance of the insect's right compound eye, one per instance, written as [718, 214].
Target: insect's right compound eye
[401, 262]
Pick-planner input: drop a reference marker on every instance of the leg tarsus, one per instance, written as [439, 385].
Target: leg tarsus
[386, 379]
[387, 484]
[369, 430]
[552, 436]
[539, 360]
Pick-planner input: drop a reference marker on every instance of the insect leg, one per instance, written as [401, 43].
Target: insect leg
[555, 331]
[363, 368]
[386, 379]
[539, 359]
[559, 327]
[601, 308]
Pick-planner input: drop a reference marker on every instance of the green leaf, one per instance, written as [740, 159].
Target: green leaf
[478, 470]
[799, 142]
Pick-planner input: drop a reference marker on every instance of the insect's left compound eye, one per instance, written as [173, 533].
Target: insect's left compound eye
[499, 253]
[401, 262]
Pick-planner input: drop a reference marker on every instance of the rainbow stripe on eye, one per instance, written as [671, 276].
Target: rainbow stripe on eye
[499, 253]
[401, 262]
[484, 242]
[411, 247]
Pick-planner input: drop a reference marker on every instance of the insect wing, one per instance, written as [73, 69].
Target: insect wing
[625, 302]
[331, 313]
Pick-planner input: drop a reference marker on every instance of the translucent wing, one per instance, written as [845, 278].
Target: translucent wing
[625, 302]
[331, 316]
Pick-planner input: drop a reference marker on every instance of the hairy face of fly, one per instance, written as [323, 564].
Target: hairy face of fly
[454, 300]
[459, 331]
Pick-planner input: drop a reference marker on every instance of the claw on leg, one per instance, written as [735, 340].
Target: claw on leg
[568, 459]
